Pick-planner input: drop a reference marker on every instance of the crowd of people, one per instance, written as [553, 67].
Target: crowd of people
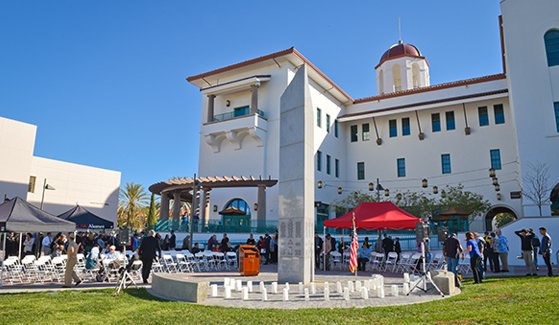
[324, 247]
[490, 252]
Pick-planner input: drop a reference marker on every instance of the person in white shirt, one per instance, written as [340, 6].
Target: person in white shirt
[113, 254]
[28, 244]
[45, 245]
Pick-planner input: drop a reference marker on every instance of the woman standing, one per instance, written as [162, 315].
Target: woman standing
[475, 256]
[28, 244]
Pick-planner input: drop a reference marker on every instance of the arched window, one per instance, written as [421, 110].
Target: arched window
[238, 206]
[381, 82]
[551, 39]
[396, 75]
[415, 75]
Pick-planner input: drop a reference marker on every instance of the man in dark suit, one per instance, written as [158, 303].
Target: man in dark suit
[149, 249]
[173, 240]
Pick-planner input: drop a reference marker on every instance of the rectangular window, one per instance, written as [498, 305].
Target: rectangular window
[436, 122]
[360, 170]
[319, 160]
[499, 114]
[450, 123]
[393, 128]
[483, 117]
[406, 126]
[319, 117]
[353, 135]
[328, 167]
[557, 115]
[32, 181]
[327, 122]
[365, 134]
[495, 155]
[336, 128]
[401, 166]
[445, 163]
[337, 168]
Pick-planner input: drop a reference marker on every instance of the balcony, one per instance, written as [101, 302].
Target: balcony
[233, 127]
[238, 112]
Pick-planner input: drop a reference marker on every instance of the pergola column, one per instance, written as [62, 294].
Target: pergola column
[203, 205]
[164, 209]
[261, 212]
[176, 205]
[254, 98]
[211, 101]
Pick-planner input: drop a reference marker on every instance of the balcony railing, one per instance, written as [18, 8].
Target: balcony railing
[238, 112]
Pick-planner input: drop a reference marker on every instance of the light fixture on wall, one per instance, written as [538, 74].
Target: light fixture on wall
[340, 190]
[497, 188]
[492, 172]
[386, 192]
[228, 103]
[435, 189]
[499, 196]
[371, 186]
[319, 184]
[255, 206]
[495, 181]
[215, 208]
[424, 183]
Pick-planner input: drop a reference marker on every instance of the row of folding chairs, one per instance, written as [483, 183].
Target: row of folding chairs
[199, 262]
[32, 270]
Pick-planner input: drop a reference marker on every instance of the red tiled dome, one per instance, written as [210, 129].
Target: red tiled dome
[398, 50]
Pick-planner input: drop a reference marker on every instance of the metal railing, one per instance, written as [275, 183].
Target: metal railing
[245, 111]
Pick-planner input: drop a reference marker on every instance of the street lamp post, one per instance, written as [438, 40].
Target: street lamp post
[379, 188]
[45, 187]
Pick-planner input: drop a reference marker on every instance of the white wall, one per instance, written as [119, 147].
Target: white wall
[531, 85]
[92, 188]
[17, 142]
[552, 225]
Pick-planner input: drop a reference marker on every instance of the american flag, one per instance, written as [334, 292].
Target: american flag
[353, 248]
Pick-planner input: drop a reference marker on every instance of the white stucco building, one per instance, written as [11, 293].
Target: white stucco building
[447, 134]
[25, 175]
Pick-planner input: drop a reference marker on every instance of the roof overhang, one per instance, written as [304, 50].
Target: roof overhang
[235, 85]
[215, 78]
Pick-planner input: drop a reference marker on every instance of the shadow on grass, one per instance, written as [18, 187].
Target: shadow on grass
[142, 293]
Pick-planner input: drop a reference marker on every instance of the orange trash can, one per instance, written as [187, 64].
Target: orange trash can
[249, 260]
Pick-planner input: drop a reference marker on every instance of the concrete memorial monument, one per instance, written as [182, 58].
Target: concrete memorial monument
[296, 185]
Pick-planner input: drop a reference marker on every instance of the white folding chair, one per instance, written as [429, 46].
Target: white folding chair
[169, 263]
[390, 263]
[182, 263]
[336, 260]
[232, 260]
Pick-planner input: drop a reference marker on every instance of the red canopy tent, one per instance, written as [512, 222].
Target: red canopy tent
[375, 216]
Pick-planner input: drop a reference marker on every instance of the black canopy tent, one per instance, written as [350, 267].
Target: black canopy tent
[85, 219]
[20, 216]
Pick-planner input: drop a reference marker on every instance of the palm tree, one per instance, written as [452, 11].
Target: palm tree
[133, 199]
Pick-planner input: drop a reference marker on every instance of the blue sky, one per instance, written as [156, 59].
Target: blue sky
[105, 80]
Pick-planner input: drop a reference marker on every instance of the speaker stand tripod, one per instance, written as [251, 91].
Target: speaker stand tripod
[425, 277]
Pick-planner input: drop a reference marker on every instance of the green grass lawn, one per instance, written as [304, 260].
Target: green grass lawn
[497, 301]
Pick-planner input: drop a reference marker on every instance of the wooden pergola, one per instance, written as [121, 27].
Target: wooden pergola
[183, 189]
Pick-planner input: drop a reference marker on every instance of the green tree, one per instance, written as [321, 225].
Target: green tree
[418, 204]
[461, 200]
[133, 199]
[152, 214]
[353, 200]
[502, 219]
